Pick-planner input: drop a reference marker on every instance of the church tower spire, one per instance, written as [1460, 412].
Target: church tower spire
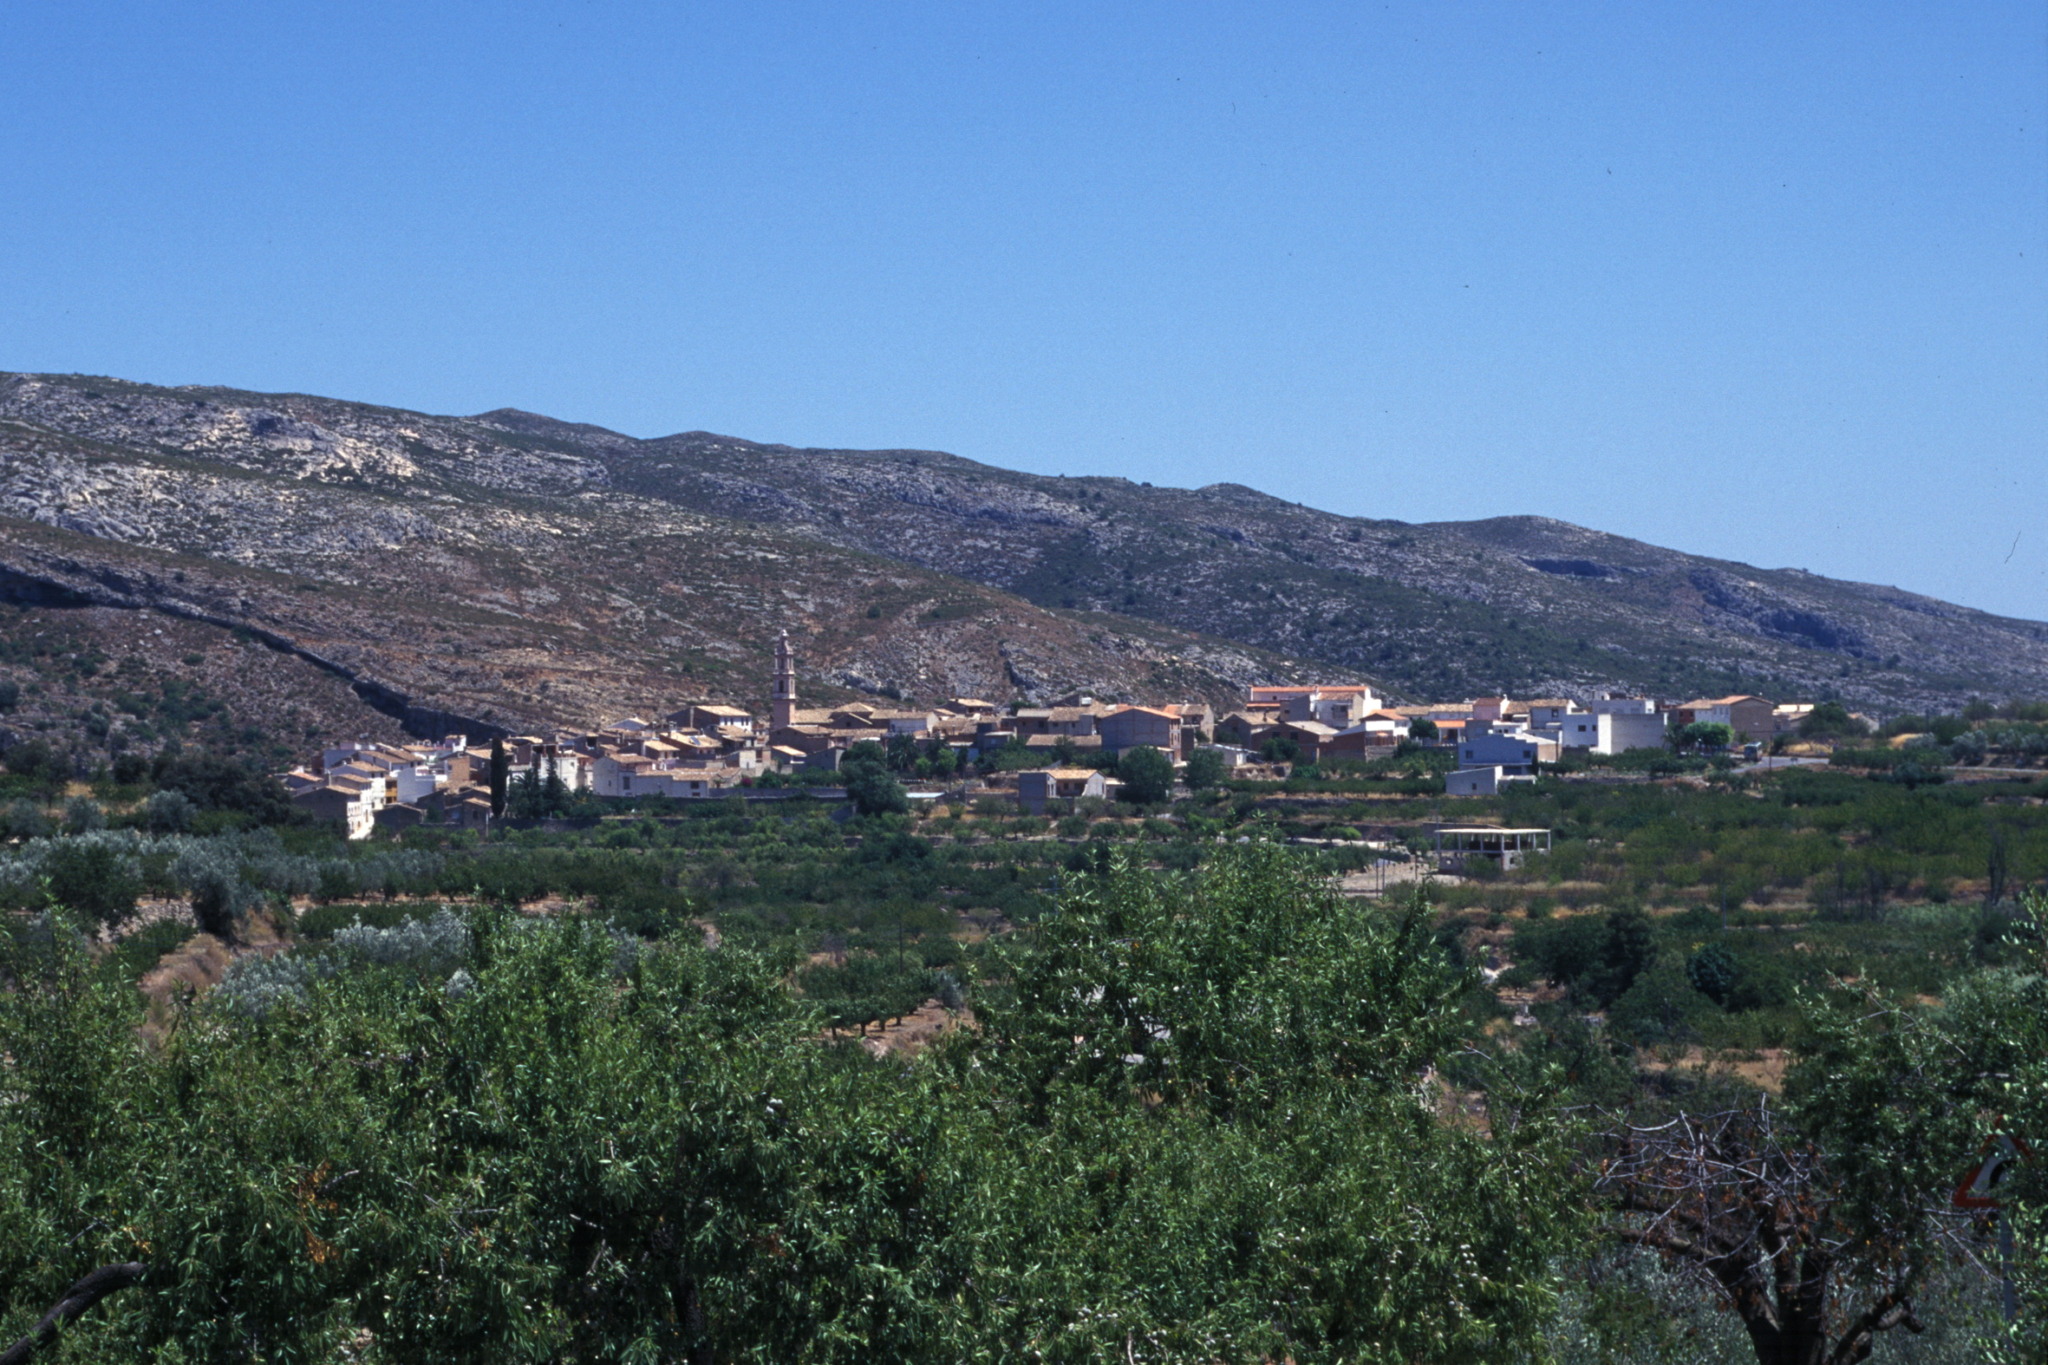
[782, 708]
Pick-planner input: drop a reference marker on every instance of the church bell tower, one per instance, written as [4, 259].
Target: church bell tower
[782, 709]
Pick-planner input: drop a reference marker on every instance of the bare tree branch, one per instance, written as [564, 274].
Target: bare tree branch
[89, 1290]
[1749, 1208]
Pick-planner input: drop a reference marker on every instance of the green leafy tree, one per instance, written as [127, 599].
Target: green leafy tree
[1714, 972]
[458, 1190]
[874, 790]
[214, 782]
[1599, 957]
[93, 878]
[1280, 748]
[1905, 1097]
[1831, 720]
[554, 792]
[1147, 775]
[1704, 734]
[35, 761]
[1237, 1053]
[1205, 768]
[902, 753]
[1194, 1126]
[865, 751]
[82, 815]
[1422, 728]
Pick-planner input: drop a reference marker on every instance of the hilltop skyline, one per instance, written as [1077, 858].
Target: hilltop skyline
[1765, 284]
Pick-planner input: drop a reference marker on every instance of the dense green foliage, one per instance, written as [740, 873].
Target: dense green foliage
[1147, 775]
[1906, 1096]
[569, 1148]
[1249, 1086]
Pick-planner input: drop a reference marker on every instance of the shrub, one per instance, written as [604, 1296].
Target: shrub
[1599, 958]
[23, 819]
[93, 878]
[1831, 720]
[83, 815]
[168, 812]
[1713, 972]
[432, 945]
[1660, 1006]
[256, 986]
[212, 876]
[37, 762]
[219, 784]
[325, 921]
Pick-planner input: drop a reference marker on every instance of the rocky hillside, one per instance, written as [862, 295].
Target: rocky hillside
[456, 573]
[1523, 605]
[510, 569]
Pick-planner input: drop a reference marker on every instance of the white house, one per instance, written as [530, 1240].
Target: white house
[346, 802]
[611, 773]
[1339, 706]
[1604, 732]
[1485, 781]
[1039, 787]
[1514, 749]
[1551, 714]
[416, 782]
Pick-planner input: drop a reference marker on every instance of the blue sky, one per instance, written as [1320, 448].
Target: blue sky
[1761, 281]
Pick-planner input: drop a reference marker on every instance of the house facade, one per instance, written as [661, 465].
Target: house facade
[1039, 788]
[1750, 717]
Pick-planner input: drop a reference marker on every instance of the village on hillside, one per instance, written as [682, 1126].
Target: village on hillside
[1056, 753]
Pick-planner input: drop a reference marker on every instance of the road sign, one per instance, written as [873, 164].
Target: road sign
[1979, 1189]
[1979, 1192]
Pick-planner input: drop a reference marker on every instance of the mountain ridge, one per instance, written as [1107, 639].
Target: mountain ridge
[518, 569]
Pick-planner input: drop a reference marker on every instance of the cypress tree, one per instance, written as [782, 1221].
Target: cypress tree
[501, 768]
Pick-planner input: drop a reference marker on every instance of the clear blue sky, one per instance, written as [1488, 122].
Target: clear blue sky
[1763, 281]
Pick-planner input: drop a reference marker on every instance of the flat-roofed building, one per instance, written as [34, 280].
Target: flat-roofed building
[1459, 845]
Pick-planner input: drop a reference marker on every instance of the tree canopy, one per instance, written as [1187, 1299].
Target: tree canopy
[1195, 1125]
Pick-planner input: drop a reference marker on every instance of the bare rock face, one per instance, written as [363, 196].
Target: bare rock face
[512, 570]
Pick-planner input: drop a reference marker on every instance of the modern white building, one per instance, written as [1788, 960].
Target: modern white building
[1612, 732]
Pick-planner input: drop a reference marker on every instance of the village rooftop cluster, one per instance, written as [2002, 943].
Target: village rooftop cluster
[706, 750]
